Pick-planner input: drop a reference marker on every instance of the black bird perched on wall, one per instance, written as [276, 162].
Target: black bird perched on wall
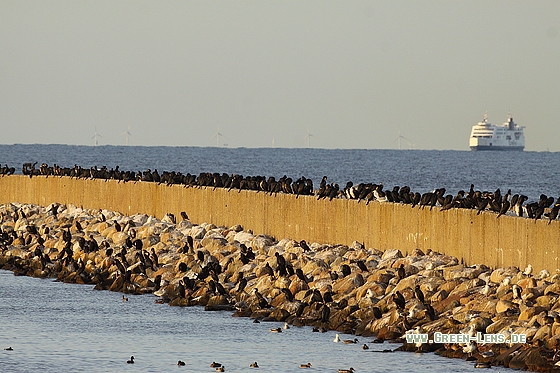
[377, 312]
[348, 191]
[504, 208]
[553, 213]
[416, 199]
[539, 211]
[184, 216]
[518, 206]
[514, 200]
[327, 297]
[481, 205]
[447, 203]
[322, 185]
[399, 300]
[425, 199]
[333, 192]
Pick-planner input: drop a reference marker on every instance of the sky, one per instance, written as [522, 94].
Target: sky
[352, 74]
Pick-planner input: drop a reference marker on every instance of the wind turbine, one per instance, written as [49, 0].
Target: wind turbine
[399, 137]
[127, 133]
[308, 138]
[96, 136]
[217, 136]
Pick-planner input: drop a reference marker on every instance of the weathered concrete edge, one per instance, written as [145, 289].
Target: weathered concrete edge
[475, 238]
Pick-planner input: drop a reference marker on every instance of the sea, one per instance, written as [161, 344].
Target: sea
[57, 327]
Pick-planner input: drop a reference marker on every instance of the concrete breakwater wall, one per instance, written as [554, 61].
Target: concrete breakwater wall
[507, 241]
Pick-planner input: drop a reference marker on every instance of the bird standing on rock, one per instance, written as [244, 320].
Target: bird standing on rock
[401, 272]
[419, 294]
[362, 266]
[399, 300]
[304, 246]
[263, 303]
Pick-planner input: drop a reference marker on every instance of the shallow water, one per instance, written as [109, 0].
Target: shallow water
[57, 327]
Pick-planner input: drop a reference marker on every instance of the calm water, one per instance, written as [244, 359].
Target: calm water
[56, 327]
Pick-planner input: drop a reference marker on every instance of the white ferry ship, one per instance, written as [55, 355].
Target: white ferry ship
[486, 136]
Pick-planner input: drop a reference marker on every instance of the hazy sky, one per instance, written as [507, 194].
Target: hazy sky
[352, 73]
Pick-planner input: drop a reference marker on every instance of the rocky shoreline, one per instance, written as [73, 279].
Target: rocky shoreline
[356, 290]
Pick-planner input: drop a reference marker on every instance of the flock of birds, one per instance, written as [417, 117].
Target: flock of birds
[219, 367]
[516, 204]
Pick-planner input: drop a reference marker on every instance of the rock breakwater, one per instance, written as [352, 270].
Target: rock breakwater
[351, 289]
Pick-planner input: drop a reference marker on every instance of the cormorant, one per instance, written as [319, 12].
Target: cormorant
[419, 293]
[399, 300]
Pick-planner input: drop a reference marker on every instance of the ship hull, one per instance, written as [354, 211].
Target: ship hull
[500, 148]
